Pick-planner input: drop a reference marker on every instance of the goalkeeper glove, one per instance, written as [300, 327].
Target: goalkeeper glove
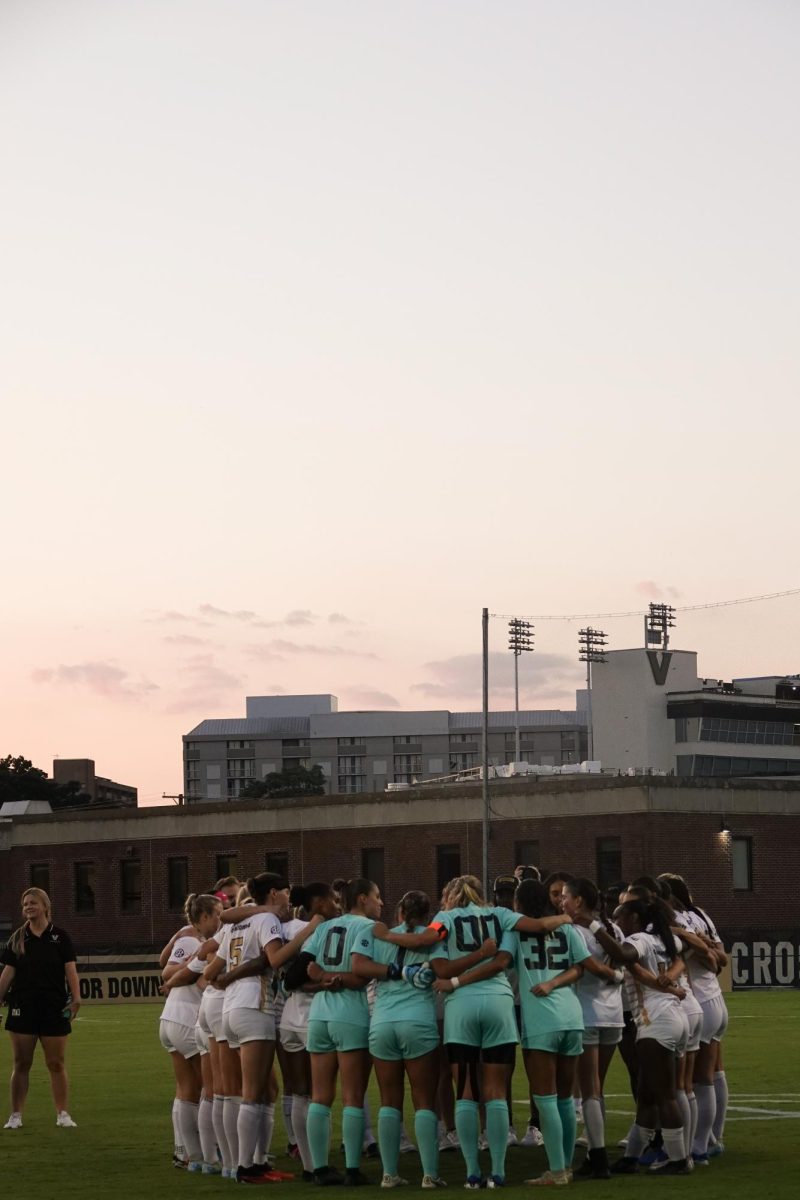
[419, 975]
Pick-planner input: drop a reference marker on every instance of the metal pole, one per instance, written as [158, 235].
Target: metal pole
[589, 704]
[485, 749]
[517, 751]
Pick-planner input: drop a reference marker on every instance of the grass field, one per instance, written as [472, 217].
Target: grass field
[122, 1094]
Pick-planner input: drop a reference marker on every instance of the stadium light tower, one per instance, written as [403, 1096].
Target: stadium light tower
[657, 624]
[520, 641]
[591, 649]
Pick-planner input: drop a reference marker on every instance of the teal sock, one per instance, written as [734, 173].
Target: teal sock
[318, 1132]
[390, 1121]
[467, 1129]
[352, 1136]
[552, 1130]
[497, 1134]
[426, 1128]
[569, 1126]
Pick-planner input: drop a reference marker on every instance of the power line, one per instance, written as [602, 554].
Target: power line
[638, 612]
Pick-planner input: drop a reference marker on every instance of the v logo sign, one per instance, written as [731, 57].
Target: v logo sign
[659, 669]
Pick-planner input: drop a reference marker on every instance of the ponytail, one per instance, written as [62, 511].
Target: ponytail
[464, 890]
[355, 888]
[680, 890]
[595, 901]
[260, 886]
[198, 905]
[416, 909]
[303, 895]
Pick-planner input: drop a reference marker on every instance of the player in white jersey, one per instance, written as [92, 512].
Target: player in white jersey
[600, 998]
[648, 953]
[178, 1021]
[707, 959]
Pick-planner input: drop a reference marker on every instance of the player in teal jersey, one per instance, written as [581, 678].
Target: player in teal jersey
[404, 1037]
[338, 1030]
[552, 1024]
[479, 1026]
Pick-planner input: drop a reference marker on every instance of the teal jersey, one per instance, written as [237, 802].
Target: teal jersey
[538, 958]
[467, 929]
[331, 945]
[397, 1000]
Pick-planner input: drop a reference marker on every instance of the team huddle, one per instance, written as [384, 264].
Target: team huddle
[310, 981]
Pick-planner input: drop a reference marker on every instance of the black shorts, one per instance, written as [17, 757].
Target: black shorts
[41, 1020]
[458, 1052]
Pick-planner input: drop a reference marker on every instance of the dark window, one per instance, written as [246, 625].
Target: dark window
[40, 876]
[84, 887]
[226, 865]
[131, 885]
[177, 882]
[609, 861]
[526, 854]
[742, 863]
[448, 866]
[277, 863]
[372, 867]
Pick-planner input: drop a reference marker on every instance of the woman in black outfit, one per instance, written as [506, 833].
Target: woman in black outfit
[40, 979]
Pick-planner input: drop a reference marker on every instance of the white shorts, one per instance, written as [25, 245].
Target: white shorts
[293, 1037]
[201, 1037]
[695, 1022]
[242, 1025]
[213, 1015]
[715, 1019]
[178, 1038]
[669, 1028]
[602, 1035]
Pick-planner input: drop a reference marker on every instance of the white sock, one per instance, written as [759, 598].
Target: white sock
[247, 1127]
[286, 1109]
[177, 1140]
[706, 1112]
[721, 1092]
[299, 1116]
[230, 1116]
[369, 1136]
[187, 1123]
[219, 1132]
[674, 1143]
[594, 1124]
[686, 1121]
[690, 1096]
[205, 1127]
[638, 1137]
[269, 1129]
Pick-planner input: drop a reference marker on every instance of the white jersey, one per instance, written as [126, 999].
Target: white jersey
[601, 1000]
[182, 1003]
[650, 1003]
[245, 942]
[297, 1005]
[703, 982]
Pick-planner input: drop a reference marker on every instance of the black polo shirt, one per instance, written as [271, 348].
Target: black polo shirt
[40, 977]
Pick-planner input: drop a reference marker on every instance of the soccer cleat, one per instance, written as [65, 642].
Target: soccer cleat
[326, 1177]
[14, 1121]
[449, 1141]
[63, 1121]
[583, 1142]
[715, 1149]
[393, 1181]
[212, 1169]
[293, 1150]
[276, 1176]
[195, 1167]
[254, 1174]
[673, 1166]
[355, 1178]
[513, 1140]
[622, 1143]
[372, 1151]
[406, 1145]
[533, 1137]
[652, 1153]
[625, 1166]
[433, 1181]
[700, 1160]
[495, 1181]
[474, 1183]
[483, 1142]
[551, 1179]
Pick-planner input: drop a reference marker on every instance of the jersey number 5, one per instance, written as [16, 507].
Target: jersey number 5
[236, 951]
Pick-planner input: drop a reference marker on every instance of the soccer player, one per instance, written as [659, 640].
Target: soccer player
[179, 1020]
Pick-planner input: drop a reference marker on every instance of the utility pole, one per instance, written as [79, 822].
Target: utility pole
[179, 799]
[485, 751]
[657, 624]
[591, 649]
[520, 640]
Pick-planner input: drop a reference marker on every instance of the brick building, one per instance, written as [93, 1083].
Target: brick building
[101, 791]
[118, 877]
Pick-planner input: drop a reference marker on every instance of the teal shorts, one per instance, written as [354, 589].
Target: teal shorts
[327, 1037]
[568, 1042]
[395, 1041]
[480, 1020]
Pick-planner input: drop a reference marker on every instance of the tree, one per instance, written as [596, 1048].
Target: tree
[294, 781]
[21, 780]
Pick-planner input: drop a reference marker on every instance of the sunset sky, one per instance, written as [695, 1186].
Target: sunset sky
[325, 324]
